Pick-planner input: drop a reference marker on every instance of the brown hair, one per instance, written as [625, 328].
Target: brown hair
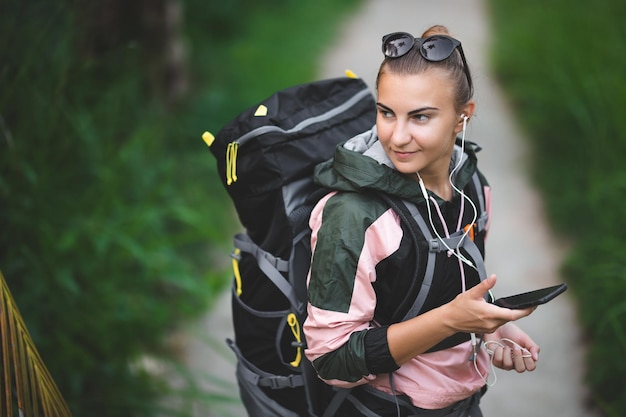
[414, 63]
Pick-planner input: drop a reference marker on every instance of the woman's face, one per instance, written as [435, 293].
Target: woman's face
[417, 122]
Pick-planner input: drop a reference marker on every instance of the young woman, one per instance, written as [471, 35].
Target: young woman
[363, 267]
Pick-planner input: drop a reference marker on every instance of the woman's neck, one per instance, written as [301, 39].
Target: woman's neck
[439, 185]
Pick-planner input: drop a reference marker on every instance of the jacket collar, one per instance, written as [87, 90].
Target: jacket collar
[361, 164]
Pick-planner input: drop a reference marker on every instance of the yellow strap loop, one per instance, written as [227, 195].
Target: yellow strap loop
[229, 151]
[292, 320]
[231, 162]
[234, 161]
[238, 288]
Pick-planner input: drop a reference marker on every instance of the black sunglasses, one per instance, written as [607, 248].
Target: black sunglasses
[434, 48]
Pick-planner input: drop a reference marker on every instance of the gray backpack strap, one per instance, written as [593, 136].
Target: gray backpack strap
[256, 376]
[271, 267]
[458, 240]
[436, 245]
[340, 396]
[433, 245]
[483, 216]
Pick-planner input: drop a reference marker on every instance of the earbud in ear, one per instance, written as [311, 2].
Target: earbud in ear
[464, 117]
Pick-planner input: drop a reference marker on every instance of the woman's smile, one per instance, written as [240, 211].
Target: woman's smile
[404, 155]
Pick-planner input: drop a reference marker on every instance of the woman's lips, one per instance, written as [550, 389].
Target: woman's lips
[403, 154]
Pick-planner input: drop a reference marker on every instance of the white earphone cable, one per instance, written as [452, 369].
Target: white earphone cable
[502, 343]
[452, 172]
[464, 197]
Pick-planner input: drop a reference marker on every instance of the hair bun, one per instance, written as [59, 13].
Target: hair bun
[435, 30]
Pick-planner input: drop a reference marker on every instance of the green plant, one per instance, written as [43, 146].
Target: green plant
[100, 240]
[113, 223]
[559, 64]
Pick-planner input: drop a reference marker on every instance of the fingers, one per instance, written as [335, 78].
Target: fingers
[483, 287]
[487, 284]
[530, 364]
[522, 362]
[518, 314]
[502, 358]
[507, 358]
[534, 352]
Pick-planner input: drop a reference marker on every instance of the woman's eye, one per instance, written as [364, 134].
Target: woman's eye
[385, 113]
[420, 117]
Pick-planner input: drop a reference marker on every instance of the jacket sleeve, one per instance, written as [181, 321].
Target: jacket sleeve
[349, 237]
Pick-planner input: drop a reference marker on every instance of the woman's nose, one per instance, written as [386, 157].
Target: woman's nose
[400, 135]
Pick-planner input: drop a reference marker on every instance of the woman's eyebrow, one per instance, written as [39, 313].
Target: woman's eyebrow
[421, 110]
[411, 113]
[383, 107]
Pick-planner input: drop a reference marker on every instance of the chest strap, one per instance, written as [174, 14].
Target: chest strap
[436, 245]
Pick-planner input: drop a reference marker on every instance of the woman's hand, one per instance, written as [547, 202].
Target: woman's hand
[512, 348]
[470, 313]
[467, 313]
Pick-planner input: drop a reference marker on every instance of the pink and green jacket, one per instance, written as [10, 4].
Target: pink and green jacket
[362, 277]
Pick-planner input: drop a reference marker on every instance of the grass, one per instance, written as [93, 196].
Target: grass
[561, 64]
[115, 228]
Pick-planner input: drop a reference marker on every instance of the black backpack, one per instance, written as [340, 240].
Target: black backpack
[265, 159]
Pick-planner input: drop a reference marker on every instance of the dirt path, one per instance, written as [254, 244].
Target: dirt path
[520, 249]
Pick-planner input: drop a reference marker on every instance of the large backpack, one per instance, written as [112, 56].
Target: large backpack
[265, 159]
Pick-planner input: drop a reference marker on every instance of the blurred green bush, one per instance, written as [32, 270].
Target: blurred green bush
[114, 227]
[562, 64]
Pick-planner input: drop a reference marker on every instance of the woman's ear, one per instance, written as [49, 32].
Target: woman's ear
[468, 110]
[466, 114]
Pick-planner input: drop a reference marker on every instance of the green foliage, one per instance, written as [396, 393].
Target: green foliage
[273, 45]
[112, 216]
[596, 272]
[102, 240]
[562, 66]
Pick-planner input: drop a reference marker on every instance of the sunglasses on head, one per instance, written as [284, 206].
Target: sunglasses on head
[434, 48]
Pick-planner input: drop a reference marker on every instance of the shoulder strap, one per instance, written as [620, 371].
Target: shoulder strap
[483, 217]
[435, 245]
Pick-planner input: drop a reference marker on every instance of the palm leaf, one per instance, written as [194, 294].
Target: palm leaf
[26, 388]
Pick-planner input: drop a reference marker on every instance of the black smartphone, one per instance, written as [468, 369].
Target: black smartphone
[531, 298]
